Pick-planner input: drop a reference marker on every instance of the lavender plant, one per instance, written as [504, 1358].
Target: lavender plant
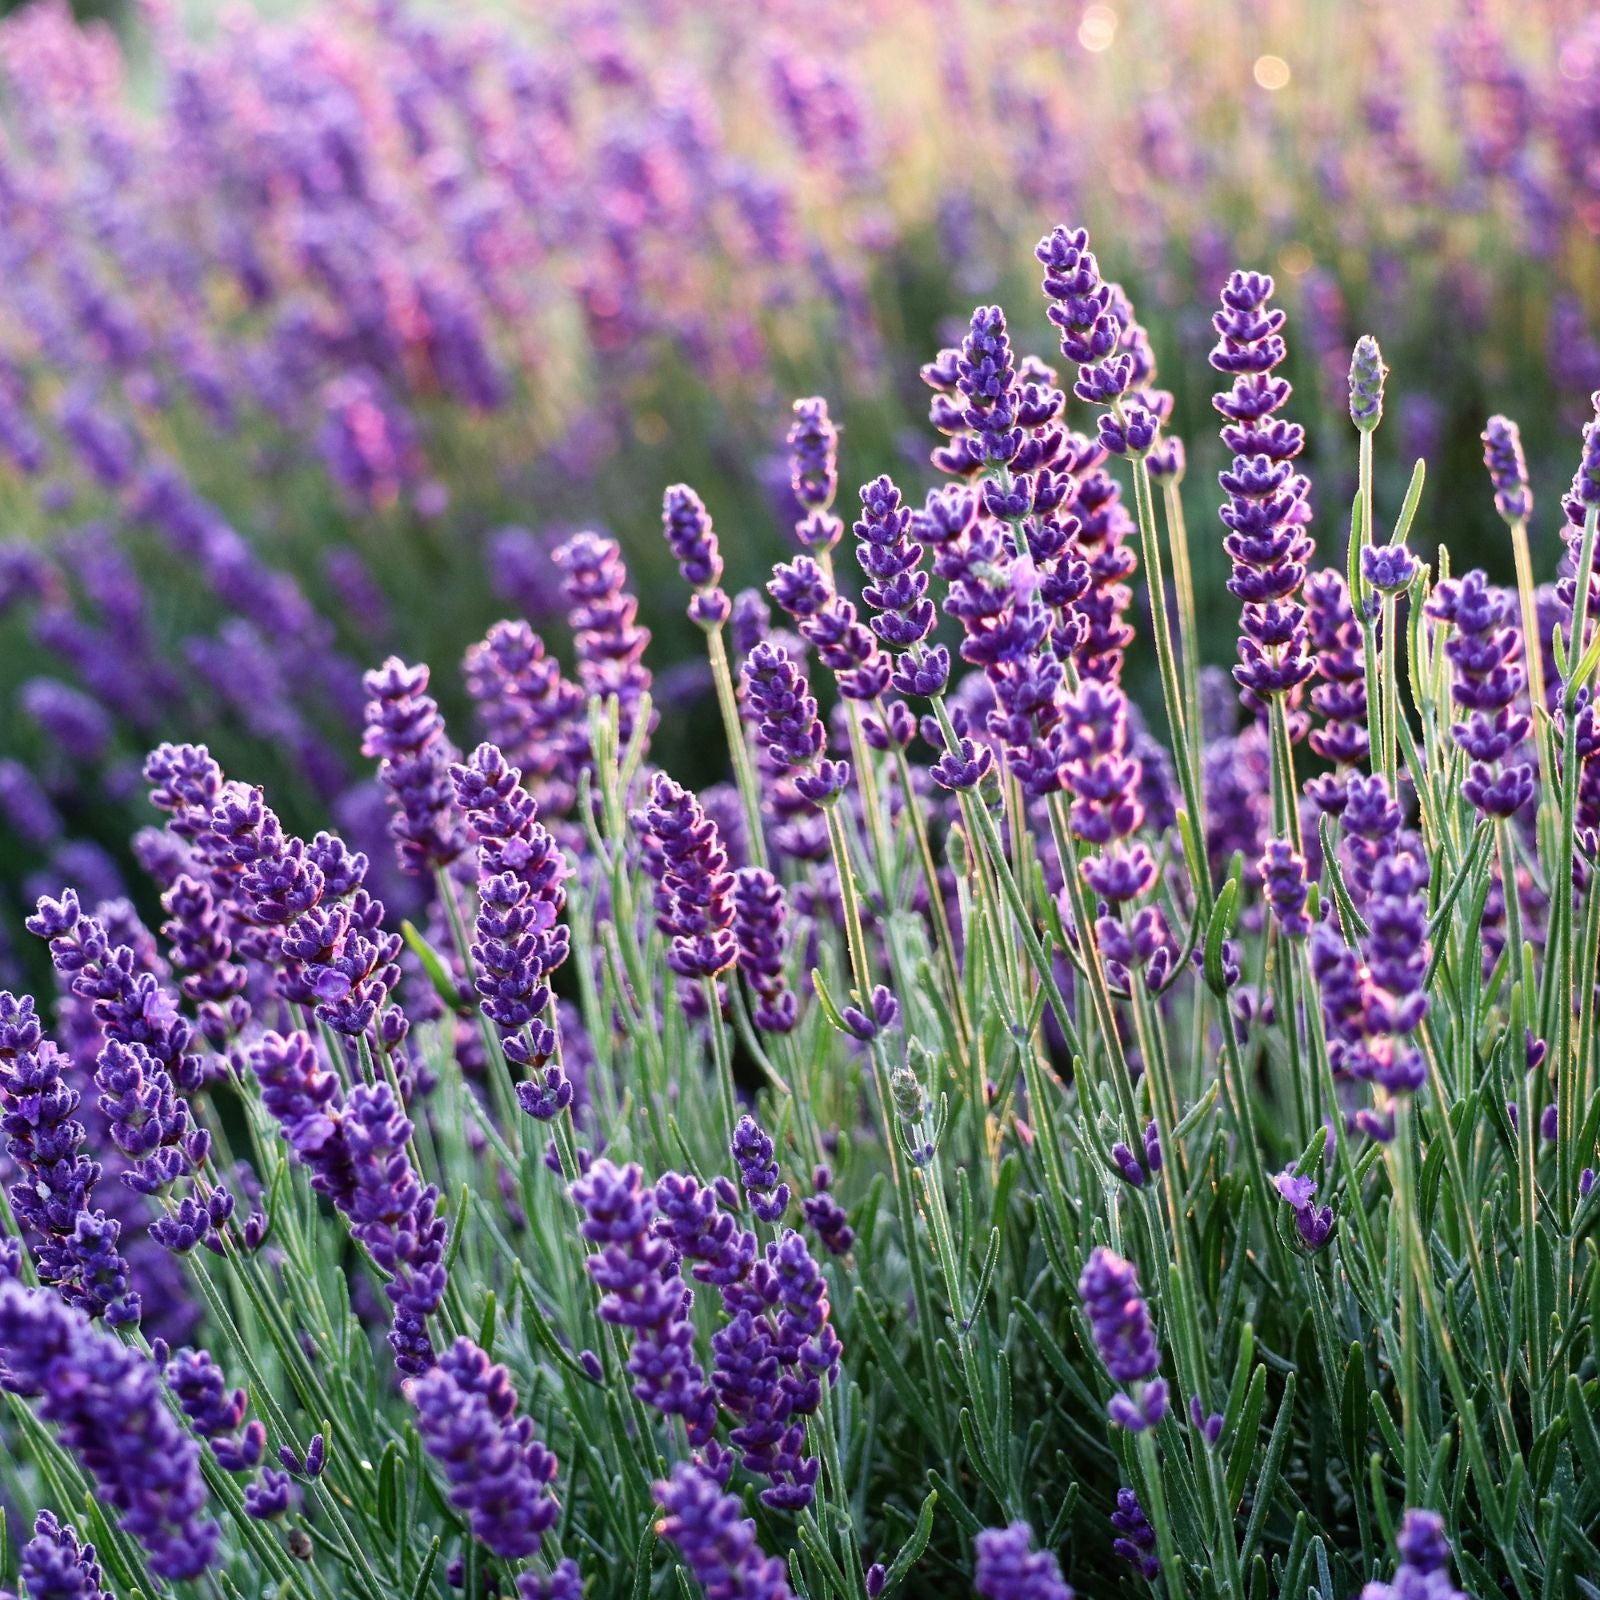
[993, 1144]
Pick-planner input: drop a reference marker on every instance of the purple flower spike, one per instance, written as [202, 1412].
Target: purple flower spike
[1120, 1321]
[1136, 1539]
[105, 1401]
[717, 1544]
[788, 725]
[814, 473]
[1283, 877]
[1367, 373]
[758, 1170]
[897, 589]
[1486, 650]
[760, 911]
[406, 733]
[827, 1216]
[636, 1271]
[685, 856]
[74, 1245]
[55, 1566]
[1268, 508]
[1508, 469]
[687, 525]
[1009, 1568]
[606, 635]
[1388, 568]
[1340, 695]
[499, 1473]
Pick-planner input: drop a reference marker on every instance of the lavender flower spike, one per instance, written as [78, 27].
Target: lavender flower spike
[105, 1400]
[1367, 373]
[814, 473]
[1120, 1321]
[500, 1475]
[687, 525]
[717, 1544]
[1508, 469]
[1009, 1568]
[1424, 1570]
[788, 724]
[56, 1567]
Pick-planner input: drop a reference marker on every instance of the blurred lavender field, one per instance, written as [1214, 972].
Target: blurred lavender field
[325, 323]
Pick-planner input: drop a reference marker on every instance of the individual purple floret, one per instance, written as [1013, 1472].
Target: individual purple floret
[641, 1291]
[687, 525]
[499, 1473]
[717, 1544]
[1486, 650]
[814, 473]
[105, 1401]
[606, 635]
[685, 856]
[1268, 509]
[55, 1566]
[1120, 1321]
[780, 699]
[1508, 469]
[76, 1246]
[406, 733]
[1314, 1223]
[1136, 1539]
[758, 1170]
[1424, 1570]
[1009, 1568]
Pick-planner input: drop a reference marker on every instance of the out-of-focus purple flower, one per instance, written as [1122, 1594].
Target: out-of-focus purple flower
[528, 710]
[105, 1401]
[1009, 1568]
[1424, 1570]
[717, 1544]
[69, 718]
[1340, 697]
[827, 1216]
[499, 1473]
[28, 810]
[1283, 877]
[760, 912]
[609, 642]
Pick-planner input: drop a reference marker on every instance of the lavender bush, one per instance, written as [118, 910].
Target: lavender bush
[991, 1142]
[308, 318]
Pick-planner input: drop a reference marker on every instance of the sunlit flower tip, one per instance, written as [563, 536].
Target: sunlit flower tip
[1367, 373]
[1388, 568]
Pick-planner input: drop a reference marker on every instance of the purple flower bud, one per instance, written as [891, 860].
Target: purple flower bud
[1367, 373]
[1136, 1539]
